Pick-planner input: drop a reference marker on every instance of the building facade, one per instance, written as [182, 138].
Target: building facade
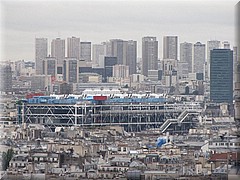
[73, 47]
[170, 47]
[97, 51]
[85, 51]
[213, 44]
[199, 58]
[149, 54]
[71, 70]
[132, 56]
[41, 52]
[186, 54]
[221, 76]
[58, 50]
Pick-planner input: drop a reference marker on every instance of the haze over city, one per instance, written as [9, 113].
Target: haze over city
[99, 21]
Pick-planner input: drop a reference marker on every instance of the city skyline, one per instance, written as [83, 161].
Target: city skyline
[99, 21]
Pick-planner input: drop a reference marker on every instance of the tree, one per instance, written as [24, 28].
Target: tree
[6, 158]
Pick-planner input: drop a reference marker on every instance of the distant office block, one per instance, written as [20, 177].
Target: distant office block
[71, 70]
[149, 54]
[120, 71]
[58, 50]
[6, 78]
[170, 47]
[97, 51]
[73, 47]
[198, 58]
[119, 50]
[213, 44]
[109, 62]
[41, 52]
[50, 66]
[132, 56]
[221, 75]
[85, 51]
[186, 54]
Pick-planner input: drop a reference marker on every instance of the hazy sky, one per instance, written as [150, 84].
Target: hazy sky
[98, 21]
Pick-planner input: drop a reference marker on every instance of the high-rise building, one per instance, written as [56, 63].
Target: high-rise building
[6, 78]
[198, 58]
[235, 61]
[107, 48]
[119, 50]
[221, 75]
[237, 74]
[58, 50]
[213, 44]
[132, 56]
[97, 51]
[109, 62]
[85, 51]
[41, 52]
[71, 70]
[186, 54]
[50, 66]
[170, 47]
[149, 54]
[73, 47]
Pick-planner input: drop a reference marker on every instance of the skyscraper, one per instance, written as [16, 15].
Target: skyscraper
[97, 51]
[186, 54]
[221, 75]
[58, 50]
[50, 66]
[6, 78]
[85, 51]
[198, 58]
[170, 47]
[41, 52]
[132, 56]
[149, 54]
[237, 75]
[119, 50]
[213, 44]
[71, 70]
[73, 47]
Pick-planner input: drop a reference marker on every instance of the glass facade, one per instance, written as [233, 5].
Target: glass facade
[221, 75]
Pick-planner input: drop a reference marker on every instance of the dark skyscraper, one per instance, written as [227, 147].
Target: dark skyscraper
[221, 75]
[149, 54]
